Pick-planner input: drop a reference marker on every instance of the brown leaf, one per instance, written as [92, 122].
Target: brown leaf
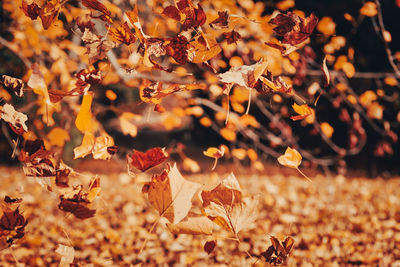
[222, 21]
[123, 34]
[146, 160]
[96, 47]
[209, 246]
[171, 194]
[96, 5]
[278, 252]
[32, 10]
[12, 226]
[232, 36]
[172, 12]
[76, 207]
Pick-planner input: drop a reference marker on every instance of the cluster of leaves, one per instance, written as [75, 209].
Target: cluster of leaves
[232, 54]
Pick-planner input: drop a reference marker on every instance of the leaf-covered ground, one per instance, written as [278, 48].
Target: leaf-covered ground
[334, 221]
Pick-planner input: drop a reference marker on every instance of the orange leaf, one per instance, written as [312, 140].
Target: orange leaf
[84, 117]
[303, 111]
[146, 160]
[327, 129]
[369, 9]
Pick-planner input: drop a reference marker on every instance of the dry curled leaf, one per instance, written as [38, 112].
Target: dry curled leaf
[291, 158]
[278, 252]
[15, 119]
[14, 84]
[209, 246]
[12, 226]
[171, 194]
[146, 160]
[303, 111]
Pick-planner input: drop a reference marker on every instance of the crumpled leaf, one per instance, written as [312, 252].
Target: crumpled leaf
[246, 75]
[291, 158]
[96, 47]
[225, 205]
[192, 226]
[12, 226]
[15, 119]
[187, 14]
[215, 153]
[14, 84]
[294, 28]
[232, 37]
[146, 160]
[171, 194]
[222, 21]
[48, 13]
[67, 255]
[77, 200]
[278, 252]
[101, 147]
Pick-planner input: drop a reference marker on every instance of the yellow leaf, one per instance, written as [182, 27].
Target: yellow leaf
[327, 129]
[83, 120]
[369, 9]
[58, 136]
[86, 147]
[291, 158]
[228, 134]
[326, 26]
[214, 152]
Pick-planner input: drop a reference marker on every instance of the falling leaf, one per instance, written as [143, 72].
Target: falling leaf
[84, 117]
[123, 34]
[291, 158]
[58, 136]
[327, 26]
[12, 226]
[215, 153]
[327, 129]
[127, 127]
[325, 71]
[222, 21]
[96, 47]
[190, 165]
[225, 205]
[14, 84]
[15, 119]
[192, 226]
[209, 246]
[67, 255]
[369, 9]
[246, 75]
[171, 194]
[101, 147]
[375, 111]
[294, 28]
[146, 160]
[348, 69]
[232, 37]
[187, 14]
[278, 252]
[37, 83]
[303, 111]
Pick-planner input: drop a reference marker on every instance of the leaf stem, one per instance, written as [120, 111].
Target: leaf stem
[305, 176]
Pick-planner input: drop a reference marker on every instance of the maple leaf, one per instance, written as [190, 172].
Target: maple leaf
[14, 84]
[303, 111]
[146, 160]
[15, 119]
[203, 48]
[171, 194]
[246, 75]
[294, 28]
[225, 205]
[48, 13]
[278, 252]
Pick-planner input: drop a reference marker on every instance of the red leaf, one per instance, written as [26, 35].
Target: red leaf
[96, 5]
[222, 21]
[172, 12]
[177, 48]
[146, 160]
[232, 37]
